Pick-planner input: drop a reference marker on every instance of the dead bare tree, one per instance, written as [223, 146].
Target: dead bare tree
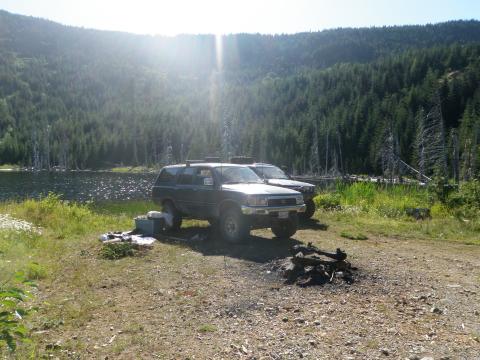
[389, 150]
[326, 153]
[314, 153]
[455, 155]
[342, 170]
[36, 159]
[430, 142]
[470, 153]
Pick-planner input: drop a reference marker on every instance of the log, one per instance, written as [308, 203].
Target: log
[312, 266]
[309, 249]
[312, 260]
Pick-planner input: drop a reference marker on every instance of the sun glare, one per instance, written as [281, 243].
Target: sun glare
[219, 51]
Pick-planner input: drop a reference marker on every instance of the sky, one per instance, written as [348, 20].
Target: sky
[172, 17]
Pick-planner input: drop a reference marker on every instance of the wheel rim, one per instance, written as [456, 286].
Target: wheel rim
[230, 226]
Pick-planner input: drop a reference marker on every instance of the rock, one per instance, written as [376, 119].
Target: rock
[299, 320]
[55, 346]
[317, 322]
[385, 352]
[436, 310]
[427, 358]
[285, 319]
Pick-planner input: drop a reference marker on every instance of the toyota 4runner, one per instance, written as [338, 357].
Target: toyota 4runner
[277, 177]
[230, 196]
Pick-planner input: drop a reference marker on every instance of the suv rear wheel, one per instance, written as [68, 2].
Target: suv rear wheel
[233, 226]
[170, 209]
[285, 229]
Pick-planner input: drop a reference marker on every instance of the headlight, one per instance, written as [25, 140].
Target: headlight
[257, 200]
[299, 199]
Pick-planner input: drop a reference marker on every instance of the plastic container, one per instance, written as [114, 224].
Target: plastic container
[149, 226]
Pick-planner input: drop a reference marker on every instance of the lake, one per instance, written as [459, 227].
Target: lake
[80, 186]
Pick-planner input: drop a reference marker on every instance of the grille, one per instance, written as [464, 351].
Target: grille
[282, 202]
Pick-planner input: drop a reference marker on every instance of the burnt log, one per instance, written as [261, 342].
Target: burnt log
[312, 260]
[312, 266]
[309, 249]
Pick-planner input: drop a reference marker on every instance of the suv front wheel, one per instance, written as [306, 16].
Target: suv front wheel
[309, 211]
[233, 226]
[285, 229]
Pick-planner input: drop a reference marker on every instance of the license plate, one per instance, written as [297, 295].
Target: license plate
[283, 214]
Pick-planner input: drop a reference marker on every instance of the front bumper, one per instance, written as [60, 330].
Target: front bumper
[269, 210]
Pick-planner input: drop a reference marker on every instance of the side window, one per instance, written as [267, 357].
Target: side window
[202, 174]
[166, 176]
[257, 171]
[186, 177]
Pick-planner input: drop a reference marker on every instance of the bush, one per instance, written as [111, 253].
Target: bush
[117, 250]
[466, 201]
[12, 313]
[328, 201]
[35, 271]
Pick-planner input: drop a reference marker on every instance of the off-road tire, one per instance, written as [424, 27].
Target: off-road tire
[169, 208]
[233, 226]
[309, 211]
[284, 229]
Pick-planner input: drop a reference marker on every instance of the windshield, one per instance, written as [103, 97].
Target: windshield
[270, 172]
[237, 175]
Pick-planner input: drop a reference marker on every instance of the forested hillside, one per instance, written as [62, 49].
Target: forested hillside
[345, 100]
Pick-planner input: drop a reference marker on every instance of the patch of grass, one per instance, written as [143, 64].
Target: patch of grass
[35, 271]
[359, 236]
[206, 328]
[380, 209]
[115, 208]
[117, 251]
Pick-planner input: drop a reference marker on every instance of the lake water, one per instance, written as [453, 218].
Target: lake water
[80, 186]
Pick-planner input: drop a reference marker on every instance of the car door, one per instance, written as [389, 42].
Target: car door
[185, 193]
[205, 195]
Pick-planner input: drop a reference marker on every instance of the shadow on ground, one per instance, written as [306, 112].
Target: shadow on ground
[312, 224]
[207, 242]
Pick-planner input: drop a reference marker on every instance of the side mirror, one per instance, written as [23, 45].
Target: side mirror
[208, 181]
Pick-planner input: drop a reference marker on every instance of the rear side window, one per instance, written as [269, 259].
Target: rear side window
[166, 176]
[186, 177]
[202, 174]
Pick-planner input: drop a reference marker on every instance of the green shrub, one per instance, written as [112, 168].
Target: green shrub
[328, 201]
[350, 236]
[117, 250]
[35, 271]
[12, 314]
[466, 201]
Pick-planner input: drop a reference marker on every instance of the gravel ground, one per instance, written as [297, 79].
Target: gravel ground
[196, 300]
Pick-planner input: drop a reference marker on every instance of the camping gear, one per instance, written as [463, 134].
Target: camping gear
[149, 227]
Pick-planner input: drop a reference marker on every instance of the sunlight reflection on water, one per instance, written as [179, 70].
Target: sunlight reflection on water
[80, 186]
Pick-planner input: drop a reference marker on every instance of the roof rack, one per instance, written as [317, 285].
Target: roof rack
[189, 162]
[242, 160]
[212, 159]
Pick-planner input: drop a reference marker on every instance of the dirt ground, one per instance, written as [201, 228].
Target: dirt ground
[198, 299]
